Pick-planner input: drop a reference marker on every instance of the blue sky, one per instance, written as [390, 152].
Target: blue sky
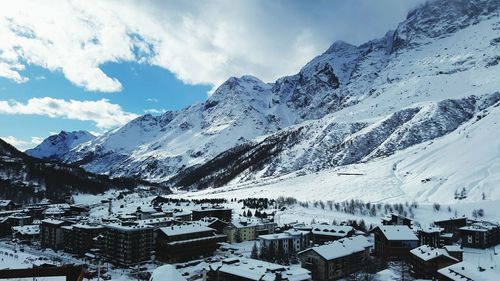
[95, 65]
[145, 88]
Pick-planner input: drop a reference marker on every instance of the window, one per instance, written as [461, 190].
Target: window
[469, 239]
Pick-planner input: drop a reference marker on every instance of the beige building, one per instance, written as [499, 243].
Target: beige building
[247, 230]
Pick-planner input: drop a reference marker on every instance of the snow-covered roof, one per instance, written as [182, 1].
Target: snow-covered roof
[481, 226]
[453, 248]
[397, 232]
[166, 272]
[285, 235]
[342, 247]
[52, 221]
[426, 253]
[252, 269]
[27, 229]
[184, 229]
[4, 203]
[87, 226]
[464, 271]
[121, 227]
[431, 229]
[331, 230]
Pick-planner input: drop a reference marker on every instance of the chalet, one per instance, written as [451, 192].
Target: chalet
[127, 245]
[451, 225]
[179, 243]
[322, 233]
[51, 233]
[466, 271]
[480, 234]
[223, 214]
[337, 259]
[7, 205]
[79, 238]
[289, 242]
[426, 261]
[243, 269]
[394, 241]
[430, 236]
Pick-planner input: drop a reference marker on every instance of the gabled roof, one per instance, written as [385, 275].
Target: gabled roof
[397, 232]
[341, 248]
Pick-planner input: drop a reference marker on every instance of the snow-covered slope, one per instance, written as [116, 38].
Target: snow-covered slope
[352, 105]
[55, 146]
[433, 171]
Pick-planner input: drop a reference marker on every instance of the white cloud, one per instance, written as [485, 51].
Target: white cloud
[105, 114]
[23, 144]
[201, 42]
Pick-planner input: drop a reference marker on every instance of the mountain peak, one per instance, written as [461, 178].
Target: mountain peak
[55, 146]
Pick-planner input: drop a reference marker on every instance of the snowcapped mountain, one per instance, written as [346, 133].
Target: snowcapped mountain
[55, 146]
[436, 74]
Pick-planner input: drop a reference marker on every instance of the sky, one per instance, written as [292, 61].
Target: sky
[95, 65]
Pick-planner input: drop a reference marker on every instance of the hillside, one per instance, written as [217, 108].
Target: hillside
[26, 179]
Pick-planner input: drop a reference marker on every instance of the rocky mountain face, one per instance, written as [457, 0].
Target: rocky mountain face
[436, 72]
[55, 146]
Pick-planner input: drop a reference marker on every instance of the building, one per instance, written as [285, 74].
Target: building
[322, 233]
[337, 259]
[480, 234]
[223, 214]
[51, 233]
[451, 225]
[395, 219]
[466, 271]
[127, 245]
[430, 236]
[179, 243]
[28, 233]
[7, 205]
[79, 210]
[243, 269]
[455, 251]
[289, 242]
[394, 241]
[80, 238]
[240, 230]
[426, 261]
[214, 223]
[143, 213]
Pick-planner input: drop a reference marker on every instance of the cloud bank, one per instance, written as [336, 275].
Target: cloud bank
[105, 114]
[201, 42]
